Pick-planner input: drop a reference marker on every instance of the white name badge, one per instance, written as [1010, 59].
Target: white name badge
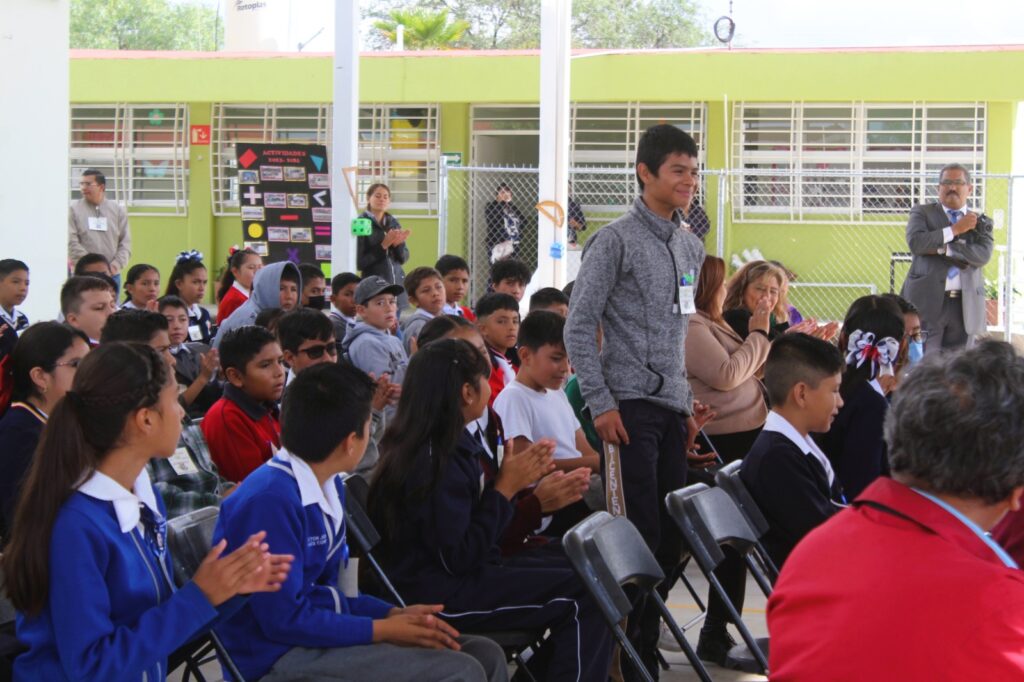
[195, 333]
[348, 578]
[182, 463]
[686, 302]
[97, 224]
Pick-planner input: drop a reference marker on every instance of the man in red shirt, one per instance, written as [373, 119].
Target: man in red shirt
[907, 584]
[242, 428]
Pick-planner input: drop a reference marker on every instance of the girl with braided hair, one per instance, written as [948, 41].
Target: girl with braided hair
[87, 566]
[870, 343]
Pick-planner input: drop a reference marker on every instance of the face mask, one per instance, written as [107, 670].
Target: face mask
[915, 351]
[317, 302]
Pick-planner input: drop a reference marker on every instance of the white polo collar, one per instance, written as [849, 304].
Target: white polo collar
[194, 311]
[310, 491]
[776, 423]
[99, 486]
[878, 387]
[236, 285]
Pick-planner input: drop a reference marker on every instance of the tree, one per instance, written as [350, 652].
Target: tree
[600, 24]
[143, 25]
[424, 30]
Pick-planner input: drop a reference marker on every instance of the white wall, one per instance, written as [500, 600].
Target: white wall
[278, 25]
[34, 145]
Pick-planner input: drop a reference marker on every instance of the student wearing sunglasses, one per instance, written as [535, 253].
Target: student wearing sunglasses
[307, 339]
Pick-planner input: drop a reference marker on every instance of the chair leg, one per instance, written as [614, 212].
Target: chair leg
[521, 665]
[691, 655]
[759, 577]
[225, 658]
[738, 622]
[384, 579]
[634, 657]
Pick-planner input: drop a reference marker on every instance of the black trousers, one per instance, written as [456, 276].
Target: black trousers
[653, 465]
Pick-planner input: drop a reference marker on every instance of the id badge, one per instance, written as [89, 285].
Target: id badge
[97, 224]
[686, 295]
[195, 333]
[182, 463]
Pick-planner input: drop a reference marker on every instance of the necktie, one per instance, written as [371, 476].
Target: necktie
[953, 271]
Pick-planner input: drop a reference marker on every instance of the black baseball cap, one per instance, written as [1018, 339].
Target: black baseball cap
[375, 285]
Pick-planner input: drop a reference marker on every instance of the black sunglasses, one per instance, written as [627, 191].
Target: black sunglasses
[317, 352]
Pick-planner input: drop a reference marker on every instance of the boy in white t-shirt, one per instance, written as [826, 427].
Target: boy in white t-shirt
[534, 406]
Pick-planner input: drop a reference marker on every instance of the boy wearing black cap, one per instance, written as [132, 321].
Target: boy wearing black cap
[370, 345]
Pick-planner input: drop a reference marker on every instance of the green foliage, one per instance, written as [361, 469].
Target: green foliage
[597, 24]
[143, 25]
[424, 29]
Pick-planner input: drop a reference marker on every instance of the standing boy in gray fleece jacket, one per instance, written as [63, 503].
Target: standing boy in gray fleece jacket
[636, 284]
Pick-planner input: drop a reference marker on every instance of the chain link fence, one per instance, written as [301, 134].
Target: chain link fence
[841, 233]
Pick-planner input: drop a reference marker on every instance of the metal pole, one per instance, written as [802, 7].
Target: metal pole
[442, 209]
[723, 184]
[344, 149]
[1008, 284]
[556, 16]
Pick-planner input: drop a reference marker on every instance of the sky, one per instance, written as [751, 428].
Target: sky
[871, 23]
[861, 23]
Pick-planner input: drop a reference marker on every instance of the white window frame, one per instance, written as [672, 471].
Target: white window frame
[120, 158]
[377, 161]
[798, 195]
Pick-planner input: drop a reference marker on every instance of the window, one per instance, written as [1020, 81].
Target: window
[398, 145]
[142, 149]
[806, 161]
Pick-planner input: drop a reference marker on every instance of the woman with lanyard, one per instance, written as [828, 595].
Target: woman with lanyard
[43, 365]
[383, 251]
[87, 566]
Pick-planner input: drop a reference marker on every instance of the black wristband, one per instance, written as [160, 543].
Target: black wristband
[760, 331]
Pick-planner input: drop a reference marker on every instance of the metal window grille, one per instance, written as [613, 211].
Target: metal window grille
[142, 149]
[802, 161]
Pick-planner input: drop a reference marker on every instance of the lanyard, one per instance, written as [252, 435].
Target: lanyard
[982, 535]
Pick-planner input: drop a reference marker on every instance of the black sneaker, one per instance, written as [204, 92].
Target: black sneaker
[713, 646]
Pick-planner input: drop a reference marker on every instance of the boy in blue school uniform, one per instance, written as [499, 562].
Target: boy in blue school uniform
[315, 628]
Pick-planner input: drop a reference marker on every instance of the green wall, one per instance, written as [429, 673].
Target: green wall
[456, 80]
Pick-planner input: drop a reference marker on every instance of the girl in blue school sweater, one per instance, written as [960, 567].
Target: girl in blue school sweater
[87, 566]
[441, 525]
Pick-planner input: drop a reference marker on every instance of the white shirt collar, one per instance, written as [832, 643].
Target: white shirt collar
[776, 423]
[964, 210]
[878, 387]
[11, 319]
[99, 486]
[452, 309]
[128, 305]
[326, 497]
[194, 311]
[236, 285]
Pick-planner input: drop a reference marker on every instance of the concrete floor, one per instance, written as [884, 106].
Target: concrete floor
[683, 609]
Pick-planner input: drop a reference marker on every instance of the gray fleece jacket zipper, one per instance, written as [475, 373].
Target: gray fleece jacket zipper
[628, 285]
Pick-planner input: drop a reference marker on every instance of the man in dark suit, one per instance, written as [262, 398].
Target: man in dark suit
[946, 281]
[787, 474]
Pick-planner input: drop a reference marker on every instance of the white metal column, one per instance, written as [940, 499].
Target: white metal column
[344, 140]
[555, 48]
[34, 140]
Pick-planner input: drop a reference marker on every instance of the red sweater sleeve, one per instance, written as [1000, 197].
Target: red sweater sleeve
[238, 444]
[229, 304]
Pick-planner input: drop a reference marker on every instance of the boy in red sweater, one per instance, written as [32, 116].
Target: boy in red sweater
[497, 318]
[242, 428]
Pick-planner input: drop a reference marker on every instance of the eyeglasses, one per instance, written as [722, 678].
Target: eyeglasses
[952, 183]
[317, 352]
[73, 364]
[920, 337]
[383, 302]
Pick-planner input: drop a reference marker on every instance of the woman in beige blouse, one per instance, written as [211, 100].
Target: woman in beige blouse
[722, 366]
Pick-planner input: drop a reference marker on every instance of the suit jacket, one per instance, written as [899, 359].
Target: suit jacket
[896, 588]
[790, 488]
[926, 282]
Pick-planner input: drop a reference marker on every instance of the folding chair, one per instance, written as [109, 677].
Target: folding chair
[709, 519]
[728, 479]
[608, 552]
[10, 647]
[189, 538]
[362, 531]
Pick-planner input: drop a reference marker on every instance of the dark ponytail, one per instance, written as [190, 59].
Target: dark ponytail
[429, 413]
[113, 382]
[185, 264]
[235, 260]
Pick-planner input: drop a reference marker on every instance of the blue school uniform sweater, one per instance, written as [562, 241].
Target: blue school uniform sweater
[309, 610]
[111, 613]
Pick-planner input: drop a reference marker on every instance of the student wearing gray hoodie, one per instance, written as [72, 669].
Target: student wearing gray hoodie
[275, 286]
[636, 285]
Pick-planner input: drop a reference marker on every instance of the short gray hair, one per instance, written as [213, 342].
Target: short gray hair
[955, 425]
[956, 166]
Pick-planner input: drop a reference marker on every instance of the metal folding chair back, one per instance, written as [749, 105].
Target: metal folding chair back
[609, 553]
[728, 479]
[189, 538]
[709, 519]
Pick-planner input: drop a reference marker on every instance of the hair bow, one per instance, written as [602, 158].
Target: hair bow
[232, 251]
[882, 353]
[185, 256]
